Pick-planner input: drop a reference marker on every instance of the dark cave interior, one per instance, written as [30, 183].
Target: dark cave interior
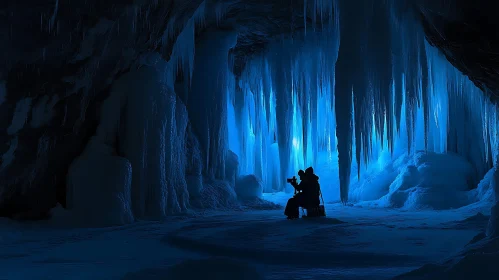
[119, 113]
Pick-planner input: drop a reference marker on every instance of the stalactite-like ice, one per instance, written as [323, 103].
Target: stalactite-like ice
[367, 85]
[207, 101]
[152, 138]
[184, 48]
[140, 139]
[279, 125]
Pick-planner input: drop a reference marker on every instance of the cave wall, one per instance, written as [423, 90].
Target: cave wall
[63, 58]
[461, 30]
[154, 126]
[57, 69]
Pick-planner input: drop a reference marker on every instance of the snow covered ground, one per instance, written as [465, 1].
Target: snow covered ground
[351, 243]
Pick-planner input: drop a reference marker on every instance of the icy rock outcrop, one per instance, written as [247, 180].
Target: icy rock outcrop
[231, 167]
[430, 180]
[493, 226]
[445, 27]
[153, 139]
[478, 260]
[216, 194]
[249, 187]
[99, 186]
[100, 181]
[485, 190]
[47, 58]
[145, 122]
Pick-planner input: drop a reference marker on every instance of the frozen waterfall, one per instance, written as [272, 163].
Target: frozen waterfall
[348, 103]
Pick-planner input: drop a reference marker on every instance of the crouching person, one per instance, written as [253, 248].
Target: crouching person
[306, 193]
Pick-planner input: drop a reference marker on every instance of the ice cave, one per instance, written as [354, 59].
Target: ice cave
[154, 139]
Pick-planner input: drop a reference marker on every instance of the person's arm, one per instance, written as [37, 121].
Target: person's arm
[299, 187]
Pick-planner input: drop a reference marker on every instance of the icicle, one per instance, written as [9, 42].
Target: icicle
[385, 96]
[183, 52]
[54, 16]
[305, 3]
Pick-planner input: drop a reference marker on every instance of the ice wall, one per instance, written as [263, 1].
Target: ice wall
[207, 100]
[135, 165]
[279, 84]
[348, 99]
[152, 138]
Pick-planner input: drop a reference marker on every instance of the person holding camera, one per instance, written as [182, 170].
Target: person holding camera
[306, 193]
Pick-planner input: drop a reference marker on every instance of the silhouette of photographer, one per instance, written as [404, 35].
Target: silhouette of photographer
[307, 193]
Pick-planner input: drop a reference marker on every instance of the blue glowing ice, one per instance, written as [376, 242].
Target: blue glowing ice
[388, 103]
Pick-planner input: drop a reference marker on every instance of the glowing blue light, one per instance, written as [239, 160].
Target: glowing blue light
[300, 77]
[296, 143]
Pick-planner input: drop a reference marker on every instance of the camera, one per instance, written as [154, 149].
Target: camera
[291, 180]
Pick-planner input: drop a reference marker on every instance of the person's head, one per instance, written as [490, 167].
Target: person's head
[309, 171]
[301, 173]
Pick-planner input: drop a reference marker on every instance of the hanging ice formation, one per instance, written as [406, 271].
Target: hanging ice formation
[145, 120]
[366, 85]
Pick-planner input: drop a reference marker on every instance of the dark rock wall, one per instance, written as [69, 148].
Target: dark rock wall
[62, 58]
[465, 31]
[57, 68]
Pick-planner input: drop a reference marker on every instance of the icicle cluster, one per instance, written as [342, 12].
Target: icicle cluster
[367, 85]
[183, 53]
[296, 83]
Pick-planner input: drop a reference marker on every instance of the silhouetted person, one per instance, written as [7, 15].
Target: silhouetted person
[314, 189]
[306, 193]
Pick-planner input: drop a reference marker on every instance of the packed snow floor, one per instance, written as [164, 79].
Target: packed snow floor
[351, 243]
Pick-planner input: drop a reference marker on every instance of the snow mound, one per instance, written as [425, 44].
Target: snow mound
[280, 198]
[204, 269]
[431, 181]
[216, 195]
[99, 186]
[249, 187]
[485, 189]
[260, 204]
[375, 183]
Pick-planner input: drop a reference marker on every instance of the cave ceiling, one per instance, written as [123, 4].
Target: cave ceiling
[50, 32]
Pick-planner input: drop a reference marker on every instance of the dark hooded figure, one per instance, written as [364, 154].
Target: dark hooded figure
[307, 196]
[314, 190]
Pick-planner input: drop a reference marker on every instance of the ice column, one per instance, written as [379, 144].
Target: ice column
[207, 100]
